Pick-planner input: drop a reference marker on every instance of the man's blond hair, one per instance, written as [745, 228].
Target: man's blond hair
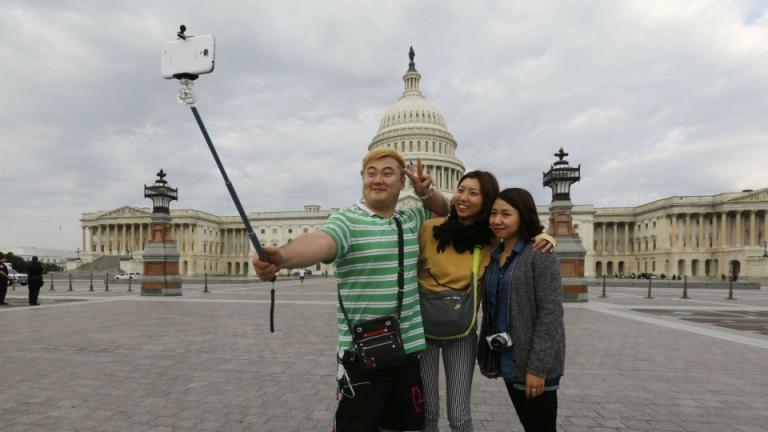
[381, 153]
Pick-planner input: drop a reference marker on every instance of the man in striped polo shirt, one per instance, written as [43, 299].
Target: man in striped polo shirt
[362, 241]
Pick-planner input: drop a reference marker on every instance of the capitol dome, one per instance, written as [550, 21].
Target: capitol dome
[416, 128]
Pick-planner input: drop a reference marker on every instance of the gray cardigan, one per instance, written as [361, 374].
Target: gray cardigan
[536, 315]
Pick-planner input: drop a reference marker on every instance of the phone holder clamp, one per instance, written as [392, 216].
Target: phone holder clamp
[185, 95]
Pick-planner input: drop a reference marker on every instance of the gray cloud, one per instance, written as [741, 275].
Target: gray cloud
[653, 98]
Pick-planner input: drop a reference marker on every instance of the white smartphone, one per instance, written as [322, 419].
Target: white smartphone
[194, 55]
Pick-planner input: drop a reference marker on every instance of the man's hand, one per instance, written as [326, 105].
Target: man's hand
[420, 180]
[267, 270]
[544, 243]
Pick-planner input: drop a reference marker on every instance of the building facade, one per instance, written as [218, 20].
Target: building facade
[211, 244]
[694, 236]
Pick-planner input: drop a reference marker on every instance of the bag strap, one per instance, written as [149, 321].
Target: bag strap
[400, 265]
[344, 311]
[400, 275]
[475, 265]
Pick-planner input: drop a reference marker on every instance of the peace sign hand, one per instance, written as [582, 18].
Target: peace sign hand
[421, 181]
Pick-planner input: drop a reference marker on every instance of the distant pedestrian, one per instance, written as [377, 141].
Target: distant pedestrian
[3, 280]
[301, 276]
[35, 280]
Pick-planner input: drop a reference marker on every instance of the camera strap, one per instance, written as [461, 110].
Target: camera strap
[400, 275]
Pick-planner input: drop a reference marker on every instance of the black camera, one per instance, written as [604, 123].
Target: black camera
[499, 341]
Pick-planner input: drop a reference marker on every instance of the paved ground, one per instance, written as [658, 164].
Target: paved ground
[115, 361]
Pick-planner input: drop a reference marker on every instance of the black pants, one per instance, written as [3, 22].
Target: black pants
[387, 399]
[538, 414]
[3, 291]
[34, 291]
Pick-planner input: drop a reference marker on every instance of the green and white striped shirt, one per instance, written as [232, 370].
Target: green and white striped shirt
[366, 269]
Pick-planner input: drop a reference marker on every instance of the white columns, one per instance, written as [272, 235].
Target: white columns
[687, 231]
[602, 237]
[124, 245]
[615, 239]
[724, 229]
[700, 232]
[752, 228]
[765, 226]
[673, 245]
[739, 238]
[626, 238]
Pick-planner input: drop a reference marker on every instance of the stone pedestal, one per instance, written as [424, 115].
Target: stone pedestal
[161, 260]
[570, 250]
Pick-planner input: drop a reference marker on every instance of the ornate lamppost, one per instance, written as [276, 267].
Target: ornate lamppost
[570, 250]
[161, 256]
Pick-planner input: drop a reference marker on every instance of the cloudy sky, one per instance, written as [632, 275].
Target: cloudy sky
[653, 98]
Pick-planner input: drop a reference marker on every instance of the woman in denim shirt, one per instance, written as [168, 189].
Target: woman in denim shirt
[524, 303]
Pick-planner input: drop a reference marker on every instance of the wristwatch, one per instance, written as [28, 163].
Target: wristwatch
[427, 194]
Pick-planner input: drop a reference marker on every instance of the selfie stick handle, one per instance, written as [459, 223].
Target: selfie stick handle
[249, 229]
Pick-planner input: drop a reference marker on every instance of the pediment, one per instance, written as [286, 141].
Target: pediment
[125, 211]
[756, 196]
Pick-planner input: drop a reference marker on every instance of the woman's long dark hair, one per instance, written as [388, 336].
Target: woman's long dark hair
[522, 201]
[465, 237]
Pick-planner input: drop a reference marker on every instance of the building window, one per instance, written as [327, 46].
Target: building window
[290, 231]
[263, 231]
[306, 230]
[274, 230]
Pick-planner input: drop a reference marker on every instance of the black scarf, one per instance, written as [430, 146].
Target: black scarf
[462, 237]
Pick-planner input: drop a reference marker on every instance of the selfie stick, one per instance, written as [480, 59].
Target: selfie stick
[187, 97]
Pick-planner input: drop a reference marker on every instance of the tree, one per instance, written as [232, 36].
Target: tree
[16, 262]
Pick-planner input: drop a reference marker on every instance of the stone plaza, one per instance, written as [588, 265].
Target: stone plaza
[206, 361]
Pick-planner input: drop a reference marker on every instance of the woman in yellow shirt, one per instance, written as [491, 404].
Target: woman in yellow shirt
[445, 263]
